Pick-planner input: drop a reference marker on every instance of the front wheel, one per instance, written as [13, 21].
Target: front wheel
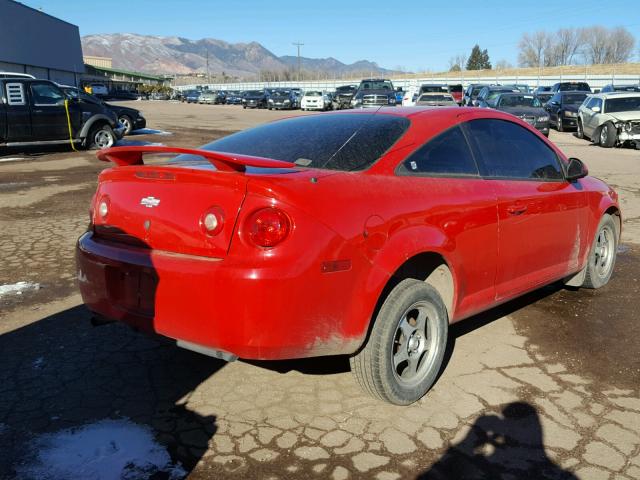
[101, 137]
[608, 135]
[559, 124]
[403, 355]
[602, 257]
[127, 122]
[579, 129]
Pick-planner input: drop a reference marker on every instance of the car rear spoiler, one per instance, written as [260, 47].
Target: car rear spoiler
[226, 162]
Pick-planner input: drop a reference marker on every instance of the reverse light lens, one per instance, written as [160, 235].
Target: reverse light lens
[268, 227]
[212, 221]
[103, 208]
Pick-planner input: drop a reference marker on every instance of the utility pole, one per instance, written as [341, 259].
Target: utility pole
[208, 76]
[298, 45]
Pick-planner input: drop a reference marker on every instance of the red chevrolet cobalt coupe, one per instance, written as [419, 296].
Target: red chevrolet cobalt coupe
[363, 233]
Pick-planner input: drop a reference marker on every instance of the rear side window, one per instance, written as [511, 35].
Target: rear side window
[448, 154]
[345, 141]
[507, 150]
[15, 94]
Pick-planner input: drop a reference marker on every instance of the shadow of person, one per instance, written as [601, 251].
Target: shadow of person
[61, 374]
[500, 446]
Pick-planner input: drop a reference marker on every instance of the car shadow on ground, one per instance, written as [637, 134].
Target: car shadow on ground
[504, 445]
[61, 373]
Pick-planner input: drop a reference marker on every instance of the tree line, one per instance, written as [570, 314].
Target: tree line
[566, 46]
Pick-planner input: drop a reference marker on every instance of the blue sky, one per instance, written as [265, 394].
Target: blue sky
[415, 35]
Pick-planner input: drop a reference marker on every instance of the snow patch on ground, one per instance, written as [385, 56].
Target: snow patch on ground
[149, 131]
[106, 450]
[14, 159]
[18, 288]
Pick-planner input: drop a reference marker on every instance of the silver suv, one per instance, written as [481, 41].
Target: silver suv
[610, 119]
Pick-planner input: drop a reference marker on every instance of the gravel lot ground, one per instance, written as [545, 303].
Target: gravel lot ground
[547, 386]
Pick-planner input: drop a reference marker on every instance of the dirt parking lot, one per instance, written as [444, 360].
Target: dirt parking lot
[547, 386]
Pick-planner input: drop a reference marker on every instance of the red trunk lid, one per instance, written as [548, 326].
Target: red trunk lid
[163, 207]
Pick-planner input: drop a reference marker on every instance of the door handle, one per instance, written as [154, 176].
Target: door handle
[517, 209]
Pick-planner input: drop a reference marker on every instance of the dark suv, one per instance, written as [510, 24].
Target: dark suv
[374, 92]
[571, 87]
[34, 112]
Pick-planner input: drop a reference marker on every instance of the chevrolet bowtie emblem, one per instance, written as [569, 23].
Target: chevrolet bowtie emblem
[150, 202]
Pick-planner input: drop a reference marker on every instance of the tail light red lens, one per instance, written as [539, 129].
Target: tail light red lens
[212, 221]
[268, 227]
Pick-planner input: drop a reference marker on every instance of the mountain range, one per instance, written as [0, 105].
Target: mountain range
[177, 55]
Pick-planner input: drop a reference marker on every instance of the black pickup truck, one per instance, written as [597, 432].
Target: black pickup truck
[32, 112]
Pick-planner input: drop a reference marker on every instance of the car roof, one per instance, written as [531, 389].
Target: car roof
[607, 95]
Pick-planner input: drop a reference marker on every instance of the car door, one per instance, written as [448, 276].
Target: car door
[542, 218]
[452, 197]
[18, 112]
[48, 114]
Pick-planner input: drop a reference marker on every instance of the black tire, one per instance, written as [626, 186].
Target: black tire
[127, 122]
[602, 257]
[387, 375]
[579, 129]
[559, 125]
[101, 136]
[608, 135]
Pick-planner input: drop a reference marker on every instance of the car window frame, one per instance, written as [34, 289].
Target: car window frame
[401, 171]
[482, 168]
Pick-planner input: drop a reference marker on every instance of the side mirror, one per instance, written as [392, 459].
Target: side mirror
[596, 109]
[576, 170]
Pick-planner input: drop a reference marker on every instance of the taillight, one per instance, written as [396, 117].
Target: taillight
[268, 226]
[212, 221]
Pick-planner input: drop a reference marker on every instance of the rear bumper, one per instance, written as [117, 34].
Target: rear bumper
[265, 313]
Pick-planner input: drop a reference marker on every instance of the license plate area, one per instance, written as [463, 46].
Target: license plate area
[132, 289]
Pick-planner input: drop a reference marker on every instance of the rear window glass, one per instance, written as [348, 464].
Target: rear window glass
[332, 141]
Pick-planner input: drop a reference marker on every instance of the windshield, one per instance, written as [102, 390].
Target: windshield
[331, 141]
[627, 88]
[255, 93]
[313, 94]
[281, 92]
[433, 88]
[574, 98]
[629, 104]
[518, 101]
[476, 90]
[583, 87]
[348, 89]
[376, 85]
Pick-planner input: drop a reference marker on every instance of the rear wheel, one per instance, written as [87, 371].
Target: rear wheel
[102, 136]
[602, 257]
[608, 135]
[559, 124]
[403, 355]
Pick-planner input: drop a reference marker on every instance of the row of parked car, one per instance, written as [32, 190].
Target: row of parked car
[42, 112]
[563, 106]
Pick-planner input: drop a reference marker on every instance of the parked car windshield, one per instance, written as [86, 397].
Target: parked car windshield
[331, 141]
[574, 98]
[574, 86]
[518, 101]
[433, 88]
[629, 104]
[430, 97]
[376, 85]
[255, 93]
[313, 94]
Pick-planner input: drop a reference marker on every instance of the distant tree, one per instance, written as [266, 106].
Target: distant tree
[457, 63]
[533, 48]
[503, 65]
[479, 59]
[621, 43]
